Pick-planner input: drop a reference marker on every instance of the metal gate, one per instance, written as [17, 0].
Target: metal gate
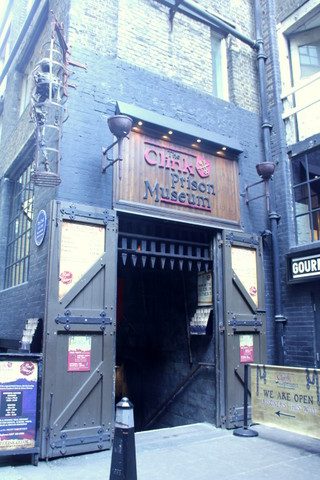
[244, 332]
[79, 331]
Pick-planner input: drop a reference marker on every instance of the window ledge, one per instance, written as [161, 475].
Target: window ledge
[24, 284]
[313, 247]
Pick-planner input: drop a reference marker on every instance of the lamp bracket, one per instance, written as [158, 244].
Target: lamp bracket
[106, 161]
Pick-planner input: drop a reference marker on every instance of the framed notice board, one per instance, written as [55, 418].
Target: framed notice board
[19, 400]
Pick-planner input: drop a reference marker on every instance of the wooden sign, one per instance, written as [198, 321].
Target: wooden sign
[286, 398]
[159, 176]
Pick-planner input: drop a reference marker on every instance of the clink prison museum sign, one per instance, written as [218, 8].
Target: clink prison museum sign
[158, 174]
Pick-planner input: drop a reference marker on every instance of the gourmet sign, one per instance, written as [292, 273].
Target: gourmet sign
[306, 267]
[161, 175]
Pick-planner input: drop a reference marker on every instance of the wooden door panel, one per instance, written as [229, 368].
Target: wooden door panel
[244, 316]
[79, 347]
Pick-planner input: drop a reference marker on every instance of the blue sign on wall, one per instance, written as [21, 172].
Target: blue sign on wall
[40, 227]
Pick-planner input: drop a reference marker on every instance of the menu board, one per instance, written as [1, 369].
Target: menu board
[244, 265]
[81, 246]
[18, 404]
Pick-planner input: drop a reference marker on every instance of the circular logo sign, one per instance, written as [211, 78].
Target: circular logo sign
[66, 277]
[253, 291]
[40, 227]
[27, 368]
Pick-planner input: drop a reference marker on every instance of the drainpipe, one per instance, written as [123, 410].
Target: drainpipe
[274, 217]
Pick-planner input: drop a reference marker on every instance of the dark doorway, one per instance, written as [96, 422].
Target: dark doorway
[166, 372]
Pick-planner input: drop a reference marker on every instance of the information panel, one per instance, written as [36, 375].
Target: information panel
[287, 398]
[204, 289]
[18, 402]
[244, 265]
[81, 247]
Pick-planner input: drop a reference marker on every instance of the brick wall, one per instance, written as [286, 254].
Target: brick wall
[99, 39]
[138, 32]
[25, 300]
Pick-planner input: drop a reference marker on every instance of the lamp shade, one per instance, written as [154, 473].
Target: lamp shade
[120, 125]
[265, 169]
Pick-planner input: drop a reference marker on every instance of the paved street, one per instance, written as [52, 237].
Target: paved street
[195, 452]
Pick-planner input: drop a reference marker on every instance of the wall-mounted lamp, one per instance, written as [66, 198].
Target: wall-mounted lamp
[120, 126]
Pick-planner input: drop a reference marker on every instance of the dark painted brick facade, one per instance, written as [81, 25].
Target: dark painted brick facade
[116, 72]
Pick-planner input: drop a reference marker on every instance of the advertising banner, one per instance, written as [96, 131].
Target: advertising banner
[18, 404]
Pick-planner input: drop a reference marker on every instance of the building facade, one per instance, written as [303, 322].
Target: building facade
[158, 266]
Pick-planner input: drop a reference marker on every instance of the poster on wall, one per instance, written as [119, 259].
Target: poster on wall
[246, 349]
[244, 265]
[204, 288]
[79, 353]
[18, 404]
[81, 247]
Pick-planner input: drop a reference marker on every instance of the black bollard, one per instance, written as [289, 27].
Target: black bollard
[123, 461]
[245, 431]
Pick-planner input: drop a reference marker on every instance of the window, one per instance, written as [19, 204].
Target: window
[26, 89]
[219, 64]
[309, 59]
[299, 50]
[18, 248]
[306, 189]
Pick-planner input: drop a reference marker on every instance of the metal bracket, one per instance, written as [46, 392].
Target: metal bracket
[73, 213]
[245, 194]
[173, 10]
[72, 442]
[245, 323]
[67, 321]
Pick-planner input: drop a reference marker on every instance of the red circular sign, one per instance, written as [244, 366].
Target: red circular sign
[253, 291]
[66, 277]
[27, 368]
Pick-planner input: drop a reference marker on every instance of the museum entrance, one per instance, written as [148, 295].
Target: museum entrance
[165, 344]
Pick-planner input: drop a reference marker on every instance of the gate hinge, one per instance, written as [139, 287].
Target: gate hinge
[222, 328]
